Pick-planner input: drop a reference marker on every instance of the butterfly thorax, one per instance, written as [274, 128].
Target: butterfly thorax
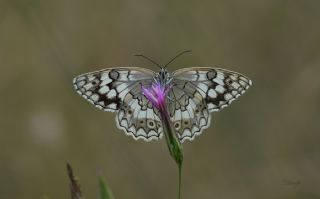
[163, 78]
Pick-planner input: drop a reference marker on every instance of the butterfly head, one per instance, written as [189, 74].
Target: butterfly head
[163, 77]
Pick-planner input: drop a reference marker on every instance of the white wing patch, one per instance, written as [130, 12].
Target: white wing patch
[201, 91]
[119, 90]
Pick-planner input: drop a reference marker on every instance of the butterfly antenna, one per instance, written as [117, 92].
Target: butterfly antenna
[178, 55]
[147, 58]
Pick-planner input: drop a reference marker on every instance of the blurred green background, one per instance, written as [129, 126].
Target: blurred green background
[266, 145]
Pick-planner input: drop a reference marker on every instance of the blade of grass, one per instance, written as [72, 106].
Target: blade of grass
[105, 192]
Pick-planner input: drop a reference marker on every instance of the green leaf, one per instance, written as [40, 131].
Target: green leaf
[105, 192]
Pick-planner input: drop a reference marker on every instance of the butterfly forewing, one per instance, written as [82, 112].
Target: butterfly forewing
[119, 89]
[199, 91]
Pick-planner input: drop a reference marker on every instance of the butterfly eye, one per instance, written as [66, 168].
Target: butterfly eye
[186, 122]
[129, 112]
[141, 121]
[158, 124]
[197, 111]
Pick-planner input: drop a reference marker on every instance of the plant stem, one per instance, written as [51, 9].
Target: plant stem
[173, 143]
[180, 170]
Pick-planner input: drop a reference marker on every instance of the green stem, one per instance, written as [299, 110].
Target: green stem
[180, 170]
[173, 143]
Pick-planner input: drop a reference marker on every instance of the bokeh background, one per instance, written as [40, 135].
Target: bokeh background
[266, 145]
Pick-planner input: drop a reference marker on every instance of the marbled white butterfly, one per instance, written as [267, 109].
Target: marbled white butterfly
[195, 93]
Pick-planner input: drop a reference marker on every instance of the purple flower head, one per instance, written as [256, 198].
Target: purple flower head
[157, 94]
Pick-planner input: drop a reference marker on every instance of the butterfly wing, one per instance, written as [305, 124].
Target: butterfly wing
[197, 92]
[119, 90]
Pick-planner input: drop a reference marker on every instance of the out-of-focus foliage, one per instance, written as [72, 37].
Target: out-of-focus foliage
[74, 185]
[259, 147]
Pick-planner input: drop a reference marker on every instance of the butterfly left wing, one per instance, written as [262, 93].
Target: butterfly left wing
[119, 90]
[199, 91]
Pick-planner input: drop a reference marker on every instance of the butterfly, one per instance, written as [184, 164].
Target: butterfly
[195, 93]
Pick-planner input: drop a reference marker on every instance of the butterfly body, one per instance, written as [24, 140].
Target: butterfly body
[163, 77]
[193, 94]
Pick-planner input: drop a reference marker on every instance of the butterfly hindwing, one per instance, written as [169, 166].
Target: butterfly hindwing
[201, 91]
[188, 110]
[139, 118]
[119, 89]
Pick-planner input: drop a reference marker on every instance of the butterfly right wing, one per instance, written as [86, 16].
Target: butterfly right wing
[119, 89]
[199, 91]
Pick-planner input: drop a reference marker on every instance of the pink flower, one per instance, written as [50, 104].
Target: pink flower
[157, 94]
